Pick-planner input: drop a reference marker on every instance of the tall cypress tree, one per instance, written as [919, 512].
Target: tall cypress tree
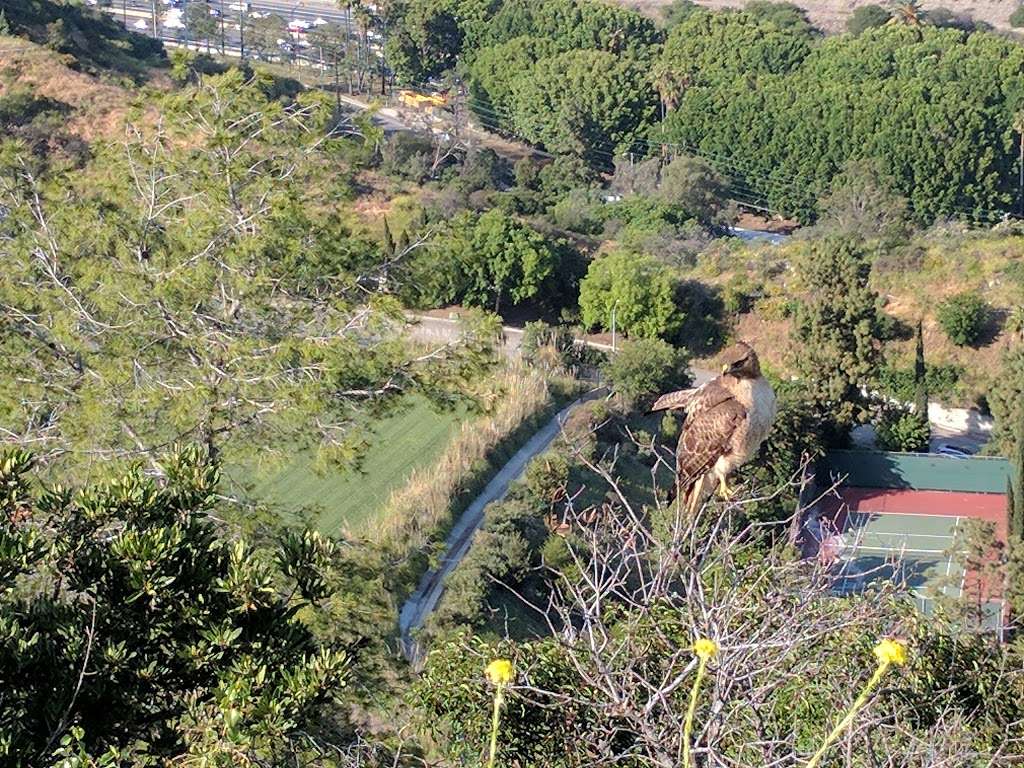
[1015, 491]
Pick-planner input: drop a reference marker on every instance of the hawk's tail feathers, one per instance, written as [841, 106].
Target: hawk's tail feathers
[693, 495]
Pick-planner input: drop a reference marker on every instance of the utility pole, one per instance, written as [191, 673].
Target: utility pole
[184, 18]
[614, 306]
[241, 30]
[223, 33]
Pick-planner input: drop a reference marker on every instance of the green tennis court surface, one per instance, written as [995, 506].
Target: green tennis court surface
[914, 550]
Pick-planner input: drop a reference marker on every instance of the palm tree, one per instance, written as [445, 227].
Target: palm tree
[908, 12]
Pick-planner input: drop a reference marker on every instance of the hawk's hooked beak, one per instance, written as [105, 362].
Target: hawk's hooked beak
[725, 368]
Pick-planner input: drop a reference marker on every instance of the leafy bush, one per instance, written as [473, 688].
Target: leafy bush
[903, 430]
[962, 318]
[1017, 17]
[941, 381]
[579, 211]
[644, 368]
[867, 17]
[639, 290]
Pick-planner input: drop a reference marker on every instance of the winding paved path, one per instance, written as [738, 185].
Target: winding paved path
[423, 601]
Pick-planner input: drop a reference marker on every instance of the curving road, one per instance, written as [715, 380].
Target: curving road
[424, 600]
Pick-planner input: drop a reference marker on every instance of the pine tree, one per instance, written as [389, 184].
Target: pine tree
[5, 25]
[837, 328]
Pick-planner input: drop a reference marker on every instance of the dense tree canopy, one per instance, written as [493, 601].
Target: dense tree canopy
[576, 24]
[933, 106]
[130, 623]
[485, 261]
[587, 103]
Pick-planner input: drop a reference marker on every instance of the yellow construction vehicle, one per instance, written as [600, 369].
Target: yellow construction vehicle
[423, 101]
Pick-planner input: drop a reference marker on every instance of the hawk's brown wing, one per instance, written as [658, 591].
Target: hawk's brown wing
[713, 414]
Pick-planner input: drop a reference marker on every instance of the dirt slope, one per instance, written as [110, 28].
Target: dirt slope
[831, 15]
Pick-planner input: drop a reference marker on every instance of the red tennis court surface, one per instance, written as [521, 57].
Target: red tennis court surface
[867, 534]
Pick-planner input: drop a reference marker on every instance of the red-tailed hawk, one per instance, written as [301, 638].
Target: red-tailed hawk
[726, 421]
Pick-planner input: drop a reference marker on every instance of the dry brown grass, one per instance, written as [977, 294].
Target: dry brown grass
[831, 15]
[99, 109]
[414, 515]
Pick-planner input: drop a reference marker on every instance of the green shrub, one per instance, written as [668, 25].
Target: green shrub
[867, 17]
[962, 318]
[669, 426]
[638, 289]
[942, 382]
[1017, 17]
[903, 430]
[644, 368]
[579, 211]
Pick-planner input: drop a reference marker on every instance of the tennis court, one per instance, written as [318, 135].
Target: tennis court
[906, 536]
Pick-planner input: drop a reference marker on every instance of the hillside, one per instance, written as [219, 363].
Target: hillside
[831, 15]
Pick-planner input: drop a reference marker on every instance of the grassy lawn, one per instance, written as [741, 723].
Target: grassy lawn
[413, 437]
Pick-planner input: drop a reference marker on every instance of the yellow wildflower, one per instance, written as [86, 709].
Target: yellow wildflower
[888, 652]
[705, 648]
[891, 652]
[500, 672]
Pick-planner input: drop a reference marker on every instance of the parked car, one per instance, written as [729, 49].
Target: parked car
[953, 451]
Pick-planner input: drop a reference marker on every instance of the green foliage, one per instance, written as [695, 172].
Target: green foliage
[1015, 483]
[962, 318]
[693, 185]
[638, 288]
[1017, 17]
[867, 17]
[1006, 399]
[900, 429]
[586, 103]
[221, 300]
[485, 261]
[452, 702]
[426, 42]
[709, 48]
[861, 204]
[941, 382]
[149, 630]
[576, 25]
[781, 14]
[797, 440]
[788, 137]
[547, 346]
[645, 368]
[836, 327]
[669, 428]
[200, 23]
[676, 12]
[262, 34]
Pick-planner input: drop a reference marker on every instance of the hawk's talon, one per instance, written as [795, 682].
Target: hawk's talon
[724, 490]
